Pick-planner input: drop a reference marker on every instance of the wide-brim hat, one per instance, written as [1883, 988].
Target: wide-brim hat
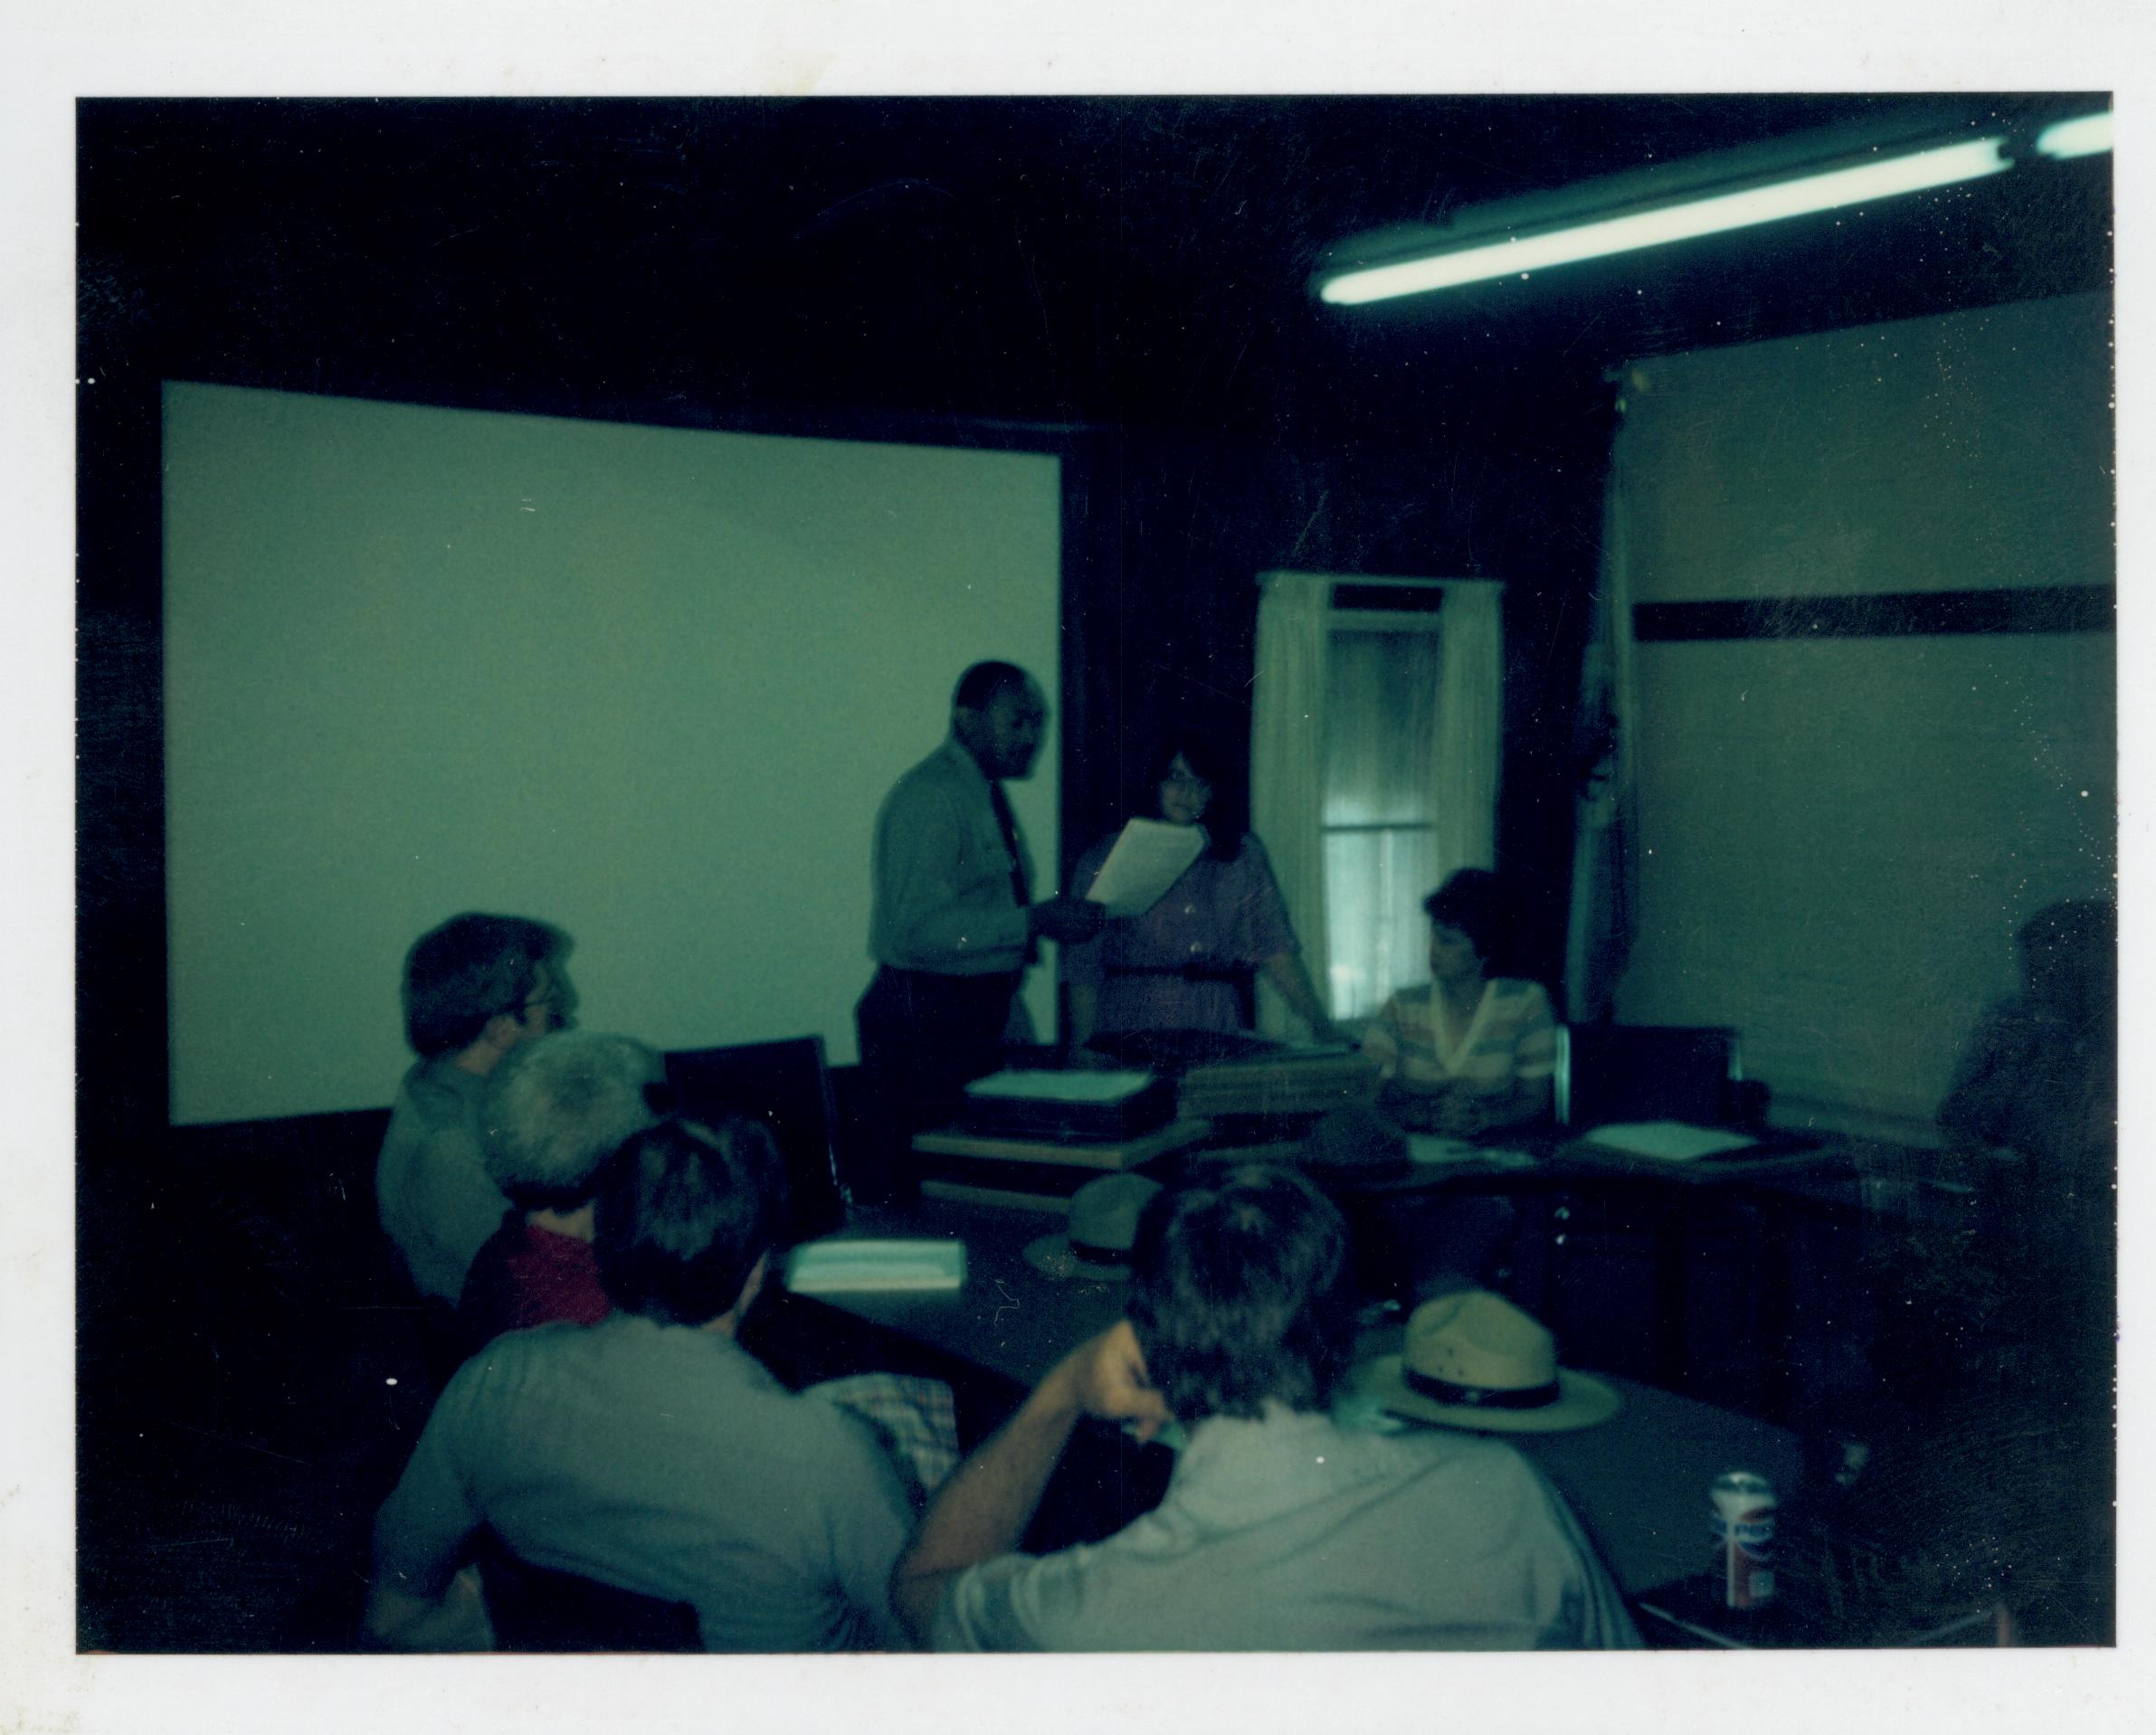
[1099, 1233]
[1473, 1360]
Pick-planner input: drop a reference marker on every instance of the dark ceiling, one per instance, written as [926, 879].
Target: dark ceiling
[1134, 263]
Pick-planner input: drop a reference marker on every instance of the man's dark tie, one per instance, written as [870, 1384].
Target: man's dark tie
[1007, 823]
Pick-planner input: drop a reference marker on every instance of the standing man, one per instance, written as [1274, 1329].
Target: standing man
[954, 923]
[476, 988]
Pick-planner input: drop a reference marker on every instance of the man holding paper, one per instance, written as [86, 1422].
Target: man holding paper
[954, 924]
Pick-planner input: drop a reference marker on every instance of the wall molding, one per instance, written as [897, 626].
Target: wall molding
[1892, 614]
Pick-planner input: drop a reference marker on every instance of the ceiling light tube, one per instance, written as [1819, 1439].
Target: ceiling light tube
[2084, 135]
[1831, 189]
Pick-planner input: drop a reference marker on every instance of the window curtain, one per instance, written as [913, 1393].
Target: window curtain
[1288, 766]
[1605, 867]
[1470, 728]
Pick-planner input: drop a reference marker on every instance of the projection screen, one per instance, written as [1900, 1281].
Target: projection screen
[649, 684]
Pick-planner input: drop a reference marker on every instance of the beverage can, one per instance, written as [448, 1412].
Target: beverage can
[1744, 1524]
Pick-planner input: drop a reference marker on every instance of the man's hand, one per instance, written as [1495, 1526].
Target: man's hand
[1106, 1378]
[457, 1620]
[1067, 921]
[984, 1507]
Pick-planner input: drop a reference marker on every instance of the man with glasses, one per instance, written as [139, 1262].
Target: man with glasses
[476, 988]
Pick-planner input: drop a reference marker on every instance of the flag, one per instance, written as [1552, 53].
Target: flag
[1605, 867]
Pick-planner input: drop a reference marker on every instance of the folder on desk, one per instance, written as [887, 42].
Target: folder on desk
[841, 1267]
[1085, 1107]
[1669, 1140]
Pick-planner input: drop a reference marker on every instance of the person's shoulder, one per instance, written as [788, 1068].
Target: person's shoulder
[942, 777]
[1493, 1467]
[1519, 991]
[430, 1085]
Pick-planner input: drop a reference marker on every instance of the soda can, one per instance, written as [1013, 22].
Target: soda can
[1744, 1521]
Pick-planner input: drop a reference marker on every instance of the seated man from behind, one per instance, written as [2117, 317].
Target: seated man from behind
[1280, 1530]
[651, 1451]
[475, 988]
[554, 1112]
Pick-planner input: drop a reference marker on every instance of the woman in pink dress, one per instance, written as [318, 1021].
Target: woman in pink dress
[1189, 962]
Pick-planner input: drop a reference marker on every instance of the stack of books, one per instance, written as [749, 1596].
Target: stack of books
[1292, 1084]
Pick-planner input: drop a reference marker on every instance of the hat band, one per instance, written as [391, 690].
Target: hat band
[1480, 1397]
[1100, 1255]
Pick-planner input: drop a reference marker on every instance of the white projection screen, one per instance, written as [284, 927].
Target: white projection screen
[649, 684]
[1839, 836]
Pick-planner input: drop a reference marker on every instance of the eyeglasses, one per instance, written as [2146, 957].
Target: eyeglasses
[552, 996]
[1189, 780]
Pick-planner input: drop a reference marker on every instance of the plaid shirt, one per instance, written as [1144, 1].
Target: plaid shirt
[915, 1420]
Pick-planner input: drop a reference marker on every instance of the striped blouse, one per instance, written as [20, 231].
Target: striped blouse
[1512, 1036]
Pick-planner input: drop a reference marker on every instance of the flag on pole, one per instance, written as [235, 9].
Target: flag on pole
[1605, 867]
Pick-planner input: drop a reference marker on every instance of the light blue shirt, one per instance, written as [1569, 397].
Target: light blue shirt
[1291, 1533]
[943, 900]
[662, 1460]
[431, 1183]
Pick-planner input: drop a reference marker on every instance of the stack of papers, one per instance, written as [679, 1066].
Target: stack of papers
[1668, 1140]
[836, 1267]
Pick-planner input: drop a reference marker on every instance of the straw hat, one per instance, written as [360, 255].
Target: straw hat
[1098, 1235]
[1473, 1360]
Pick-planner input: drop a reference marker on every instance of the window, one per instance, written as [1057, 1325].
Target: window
[1374, 756]
[1380, 847]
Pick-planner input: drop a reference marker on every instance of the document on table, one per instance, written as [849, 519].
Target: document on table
[832, 1268]
[1148, 858]
[1089, 1088]
[1668, 1140]
[1433, 1152]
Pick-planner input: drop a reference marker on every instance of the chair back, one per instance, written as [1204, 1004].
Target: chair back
[1648, 1072]
[537, 1609]
[787, 1085]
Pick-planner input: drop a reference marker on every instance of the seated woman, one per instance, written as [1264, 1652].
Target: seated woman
[1472, 1053]
[1185, 964]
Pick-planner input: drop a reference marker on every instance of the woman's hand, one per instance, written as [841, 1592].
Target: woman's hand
[1448, 1110]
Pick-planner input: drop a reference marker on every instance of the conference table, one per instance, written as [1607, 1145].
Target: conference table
[1638, 1481]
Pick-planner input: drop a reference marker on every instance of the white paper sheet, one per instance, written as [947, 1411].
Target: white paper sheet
[1670, 1141]
[1148, 858]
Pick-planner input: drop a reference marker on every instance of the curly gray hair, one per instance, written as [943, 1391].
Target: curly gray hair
[556, 1108]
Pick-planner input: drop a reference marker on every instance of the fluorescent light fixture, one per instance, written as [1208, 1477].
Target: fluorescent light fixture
[1830, 190]
[2084, 135]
